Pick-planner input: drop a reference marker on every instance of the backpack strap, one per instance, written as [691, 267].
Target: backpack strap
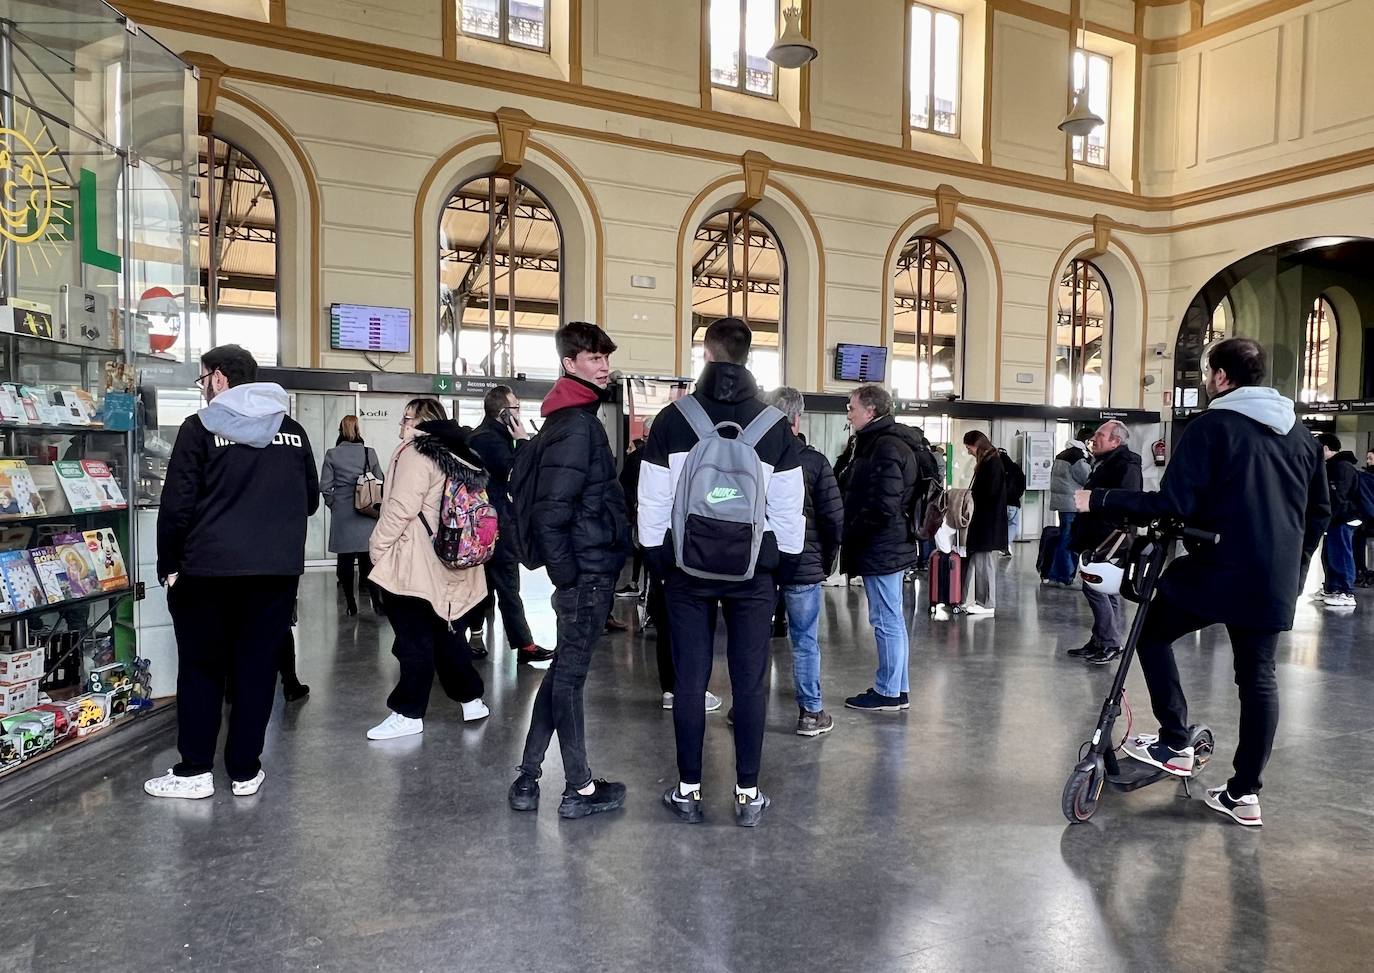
[696, 416]
[758, 428]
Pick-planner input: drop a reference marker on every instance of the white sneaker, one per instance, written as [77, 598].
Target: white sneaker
[169, 784]
[247, 788]
[667, 700]
[976, 609]
[712, 702]
[473, 709]
[395, 725]
[1339, 601]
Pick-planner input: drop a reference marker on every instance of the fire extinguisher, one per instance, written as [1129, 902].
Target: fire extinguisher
[1159, 450]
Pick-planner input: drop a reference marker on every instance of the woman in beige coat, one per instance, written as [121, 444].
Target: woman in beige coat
[423, 596]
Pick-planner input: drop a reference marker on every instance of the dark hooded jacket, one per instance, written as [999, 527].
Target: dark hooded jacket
[1344, 481]
[1116, 470]
[824, 519]
[879, 486]
[579, 519]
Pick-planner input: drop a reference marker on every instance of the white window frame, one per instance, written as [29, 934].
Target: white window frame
[503, 13]
[930, 128]
[1079, 144]
[741, 84]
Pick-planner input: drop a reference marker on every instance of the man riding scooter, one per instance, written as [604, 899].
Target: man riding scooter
[1248, 471]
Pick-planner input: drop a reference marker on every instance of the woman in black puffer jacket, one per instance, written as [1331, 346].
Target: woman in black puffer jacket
[987, 530]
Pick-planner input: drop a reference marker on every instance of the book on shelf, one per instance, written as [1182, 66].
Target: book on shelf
[72, 408]
[11, 410]
[54, 497]
[19, 496]
[44, 409]
[25, 590]
[47, 564]
[82, 494]
[106, 486]
[107, 558]
[82, 579]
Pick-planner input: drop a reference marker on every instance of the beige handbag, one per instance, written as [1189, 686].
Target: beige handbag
[367, 493]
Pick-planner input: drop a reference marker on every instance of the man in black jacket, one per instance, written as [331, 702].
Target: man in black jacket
[824, 512]
[1338, 551]
[581, 534]
[240, 486]
[495, 441]
[879, 487]
[1248, 471]
[1115, 467]
[728, 393]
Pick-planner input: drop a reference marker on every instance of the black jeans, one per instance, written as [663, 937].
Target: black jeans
[425, 644]
[344, 569]
[229, 633]
[1253, 650]
[748, 608]
[582, 611]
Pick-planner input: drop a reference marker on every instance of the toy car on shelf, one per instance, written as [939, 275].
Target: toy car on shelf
[109, 677]
[93, 712]
[62, 713]
[11, 751]
[33, 732]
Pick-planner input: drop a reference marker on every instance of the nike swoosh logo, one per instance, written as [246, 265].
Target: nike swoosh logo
[722, 494]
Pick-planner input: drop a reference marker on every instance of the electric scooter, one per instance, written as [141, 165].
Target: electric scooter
[1098, 765]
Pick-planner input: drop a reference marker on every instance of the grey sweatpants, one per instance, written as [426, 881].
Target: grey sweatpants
[981, 566]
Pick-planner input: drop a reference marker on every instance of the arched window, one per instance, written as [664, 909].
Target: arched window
[739, 270]
[1082, 337]
[1319, 353]
[500, 280]
[239, 294]
[1222, 322]
[927, 320]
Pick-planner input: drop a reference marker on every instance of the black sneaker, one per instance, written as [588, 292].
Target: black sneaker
[749, 811]
[874, 702]
[1106, 655]
[536, 656]
[1090, 647]
[477, 646]
[687, 808]
[294, 692]
[814, 724]
[605, 796]
[524, 794]
[1242, 810]
[906, 700]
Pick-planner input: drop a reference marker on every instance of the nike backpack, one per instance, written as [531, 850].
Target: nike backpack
[722, 495]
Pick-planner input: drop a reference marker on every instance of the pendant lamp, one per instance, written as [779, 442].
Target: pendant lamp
[792, 49]
[1081, 120]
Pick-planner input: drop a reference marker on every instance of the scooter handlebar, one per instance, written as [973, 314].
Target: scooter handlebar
[1202, 536]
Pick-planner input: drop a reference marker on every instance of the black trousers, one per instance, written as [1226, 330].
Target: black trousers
[503, 589]
[663, 637]
[229, 632]
[425, 644]
[748, 610]
[344, 564]
[1253, 651]
[582, 611]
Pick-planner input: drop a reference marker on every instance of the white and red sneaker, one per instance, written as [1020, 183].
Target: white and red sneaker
[1147, 748]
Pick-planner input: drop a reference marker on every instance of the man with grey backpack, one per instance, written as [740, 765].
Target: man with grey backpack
[721, 498]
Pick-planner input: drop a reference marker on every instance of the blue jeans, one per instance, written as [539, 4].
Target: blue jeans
[1063, 567]
[803, 619]
[1013, 525]
[1340, 559]
[885, 614]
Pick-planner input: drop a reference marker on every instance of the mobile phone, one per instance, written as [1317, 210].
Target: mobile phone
[508, 418]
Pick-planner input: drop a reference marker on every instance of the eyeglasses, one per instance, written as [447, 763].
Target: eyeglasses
[407, 420]
[201, 381]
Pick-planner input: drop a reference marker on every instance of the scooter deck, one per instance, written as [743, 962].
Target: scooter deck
[1132, 774]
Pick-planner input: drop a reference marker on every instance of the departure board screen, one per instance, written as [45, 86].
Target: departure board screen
[860, 363]
[359, 327]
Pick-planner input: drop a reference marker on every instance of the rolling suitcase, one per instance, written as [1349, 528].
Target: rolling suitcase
[946, 578]
[1049, 542]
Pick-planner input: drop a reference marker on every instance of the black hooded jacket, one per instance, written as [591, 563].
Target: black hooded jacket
[1344, 480]
[879, 486]
[824, 519]
[443, 440]
[1117, 470]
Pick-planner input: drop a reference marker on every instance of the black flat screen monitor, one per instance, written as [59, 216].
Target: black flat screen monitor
[860, 363]
[361, 327]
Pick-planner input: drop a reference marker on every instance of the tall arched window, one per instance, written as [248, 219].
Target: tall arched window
[1222, 322]
[927, 320]
[237, 254]
[500, 280]
[739, 270]
[1082, 337]
[1319, 353]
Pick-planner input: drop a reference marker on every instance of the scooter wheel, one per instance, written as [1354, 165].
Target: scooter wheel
[1203, 748]
[1081, 792]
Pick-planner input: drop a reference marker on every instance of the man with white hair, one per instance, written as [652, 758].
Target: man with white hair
[1115, 467]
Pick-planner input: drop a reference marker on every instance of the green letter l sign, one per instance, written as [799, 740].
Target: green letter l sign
[91, 253]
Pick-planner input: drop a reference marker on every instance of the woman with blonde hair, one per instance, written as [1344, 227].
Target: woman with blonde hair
[349, 530]
[987, 530]
[422, 595]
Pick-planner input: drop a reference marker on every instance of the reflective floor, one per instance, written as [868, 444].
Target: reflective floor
[930, 840]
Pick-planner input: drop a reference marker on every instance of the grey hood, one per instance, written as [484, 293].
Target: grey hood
[249, 414]
[1261, 403]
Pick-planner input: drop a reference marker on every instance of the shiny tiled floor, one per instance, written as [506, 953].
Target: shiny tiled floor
[930, 840]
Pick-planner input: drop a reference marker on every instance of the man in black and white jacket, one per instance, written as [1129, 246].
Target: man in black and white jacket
[240, 486]
[728, 392]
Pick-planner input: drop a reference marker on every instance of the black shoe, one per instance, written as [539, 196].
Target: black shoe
[1104, 656]
[294, 692]
[687, 808]
[477, 646]
[351, 611]
[535, 655]
[524, 794]
[874, 702]
[906, 700]
[605, 796]
[615, 626]
[1090, 647]
[749, 811]
[780, 629]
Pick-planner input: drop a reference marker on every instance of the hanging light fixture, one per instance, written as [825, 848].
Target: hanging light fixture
[792, 49]
[1081, 120]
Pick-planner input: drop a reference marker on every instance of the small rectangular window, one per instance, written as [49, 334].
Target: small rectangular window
[1092, 74]
[742, 31]
[933, 74]
[519, 23]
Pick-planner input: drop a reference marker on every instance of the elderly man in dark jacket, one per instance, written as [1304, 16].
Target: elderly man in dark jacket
[1247, 470]
[582, 536]
[1338, 552]
[879, 539]
[824, 527]
[1115, 467]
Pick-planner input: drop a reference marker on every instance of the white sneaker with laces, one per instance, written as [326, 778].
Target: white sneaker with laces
[976, 609]
[1339, 600]
[667, 700]
[247, 788]
[712, 702]
[192, 788]
[395, 725]
[475, 709]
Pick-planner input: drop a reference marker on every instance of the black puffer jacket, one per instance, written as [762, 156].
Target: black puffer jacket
[1117, 470]
[824, 519]
[987, 528]
[879, 484]
[579, 520]
[1344, 481]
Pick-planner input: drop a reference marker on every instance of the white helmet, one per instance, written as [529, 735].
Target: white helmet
[1104, 566]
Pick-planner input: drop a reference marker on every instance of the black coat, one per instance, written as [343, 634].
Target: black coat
[494, 444]
[1344, 481]
[824, 519]
[1117, 470]
[879, 485]
[1264, 492]
[987, 529]
[579, 519]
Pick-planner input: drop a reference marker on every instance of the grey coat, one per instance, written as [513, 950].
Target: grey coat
[349, 531]
[1069, 473]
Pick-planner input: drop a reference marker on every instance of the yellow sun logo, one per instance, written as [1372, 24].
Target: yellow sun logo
[28, 211]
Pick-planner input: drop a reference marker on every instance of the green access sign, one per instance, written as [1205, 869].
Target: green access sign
[443, 384]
